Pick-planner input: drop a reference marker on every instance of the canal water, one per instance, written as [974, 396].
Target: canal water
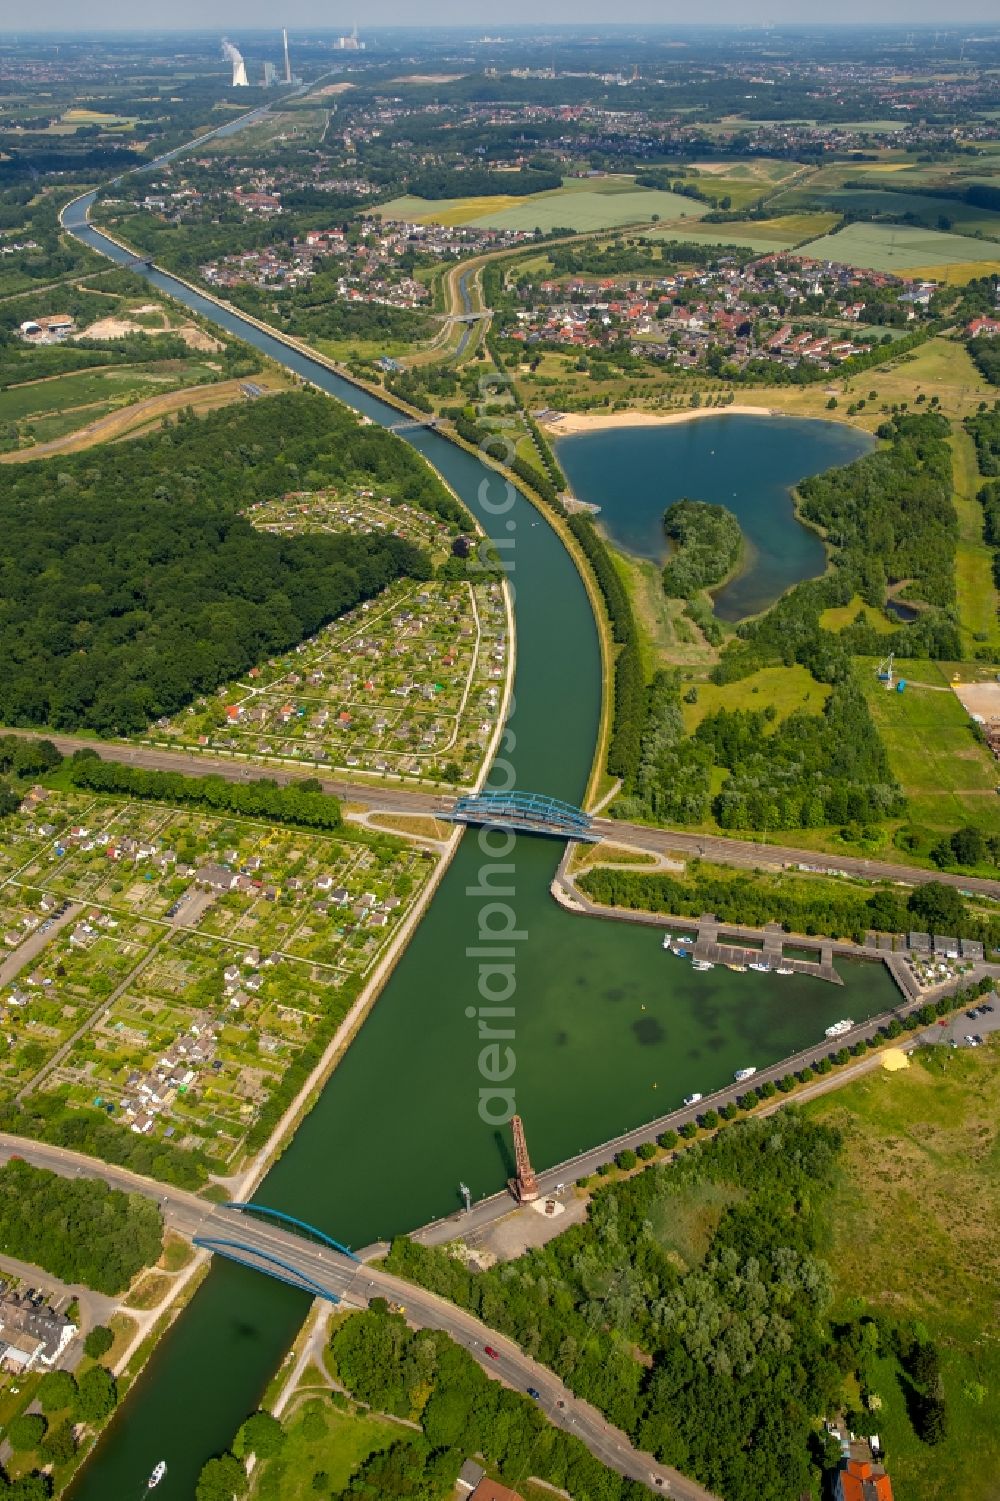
[750, 464]
[610, 1031]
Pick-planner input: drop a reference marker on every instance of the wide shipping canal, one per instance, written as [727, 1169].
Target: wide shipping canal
[610, 1031]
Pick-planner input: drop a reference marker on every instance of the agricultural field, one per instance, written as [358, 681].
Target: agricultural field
[408, 685]
[581, 204]
[962, 218]
[905, 250]
[43, 411]
[949, 777]
[920, 1175]
[779, 233]
[190, 959]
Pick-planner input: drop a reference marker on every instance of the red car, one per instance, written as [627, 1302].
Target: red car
[493, 1354]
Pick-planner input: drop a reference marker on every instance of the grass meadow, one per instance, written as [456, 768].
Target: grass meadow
[913, 1236]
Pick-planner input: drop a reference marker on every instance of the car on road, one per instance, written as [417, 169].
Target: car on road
[987, 1006]
[493, 1354]
[535, 1393]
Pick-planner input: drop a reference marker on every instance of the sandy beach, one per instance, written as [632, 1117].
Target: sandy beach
[566, 423]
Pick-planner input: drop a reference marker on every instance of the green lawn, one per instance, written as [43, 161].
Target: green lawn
[786, 688]
[343, 1439]
[946, 774]
[839, 616]
[913, 1236]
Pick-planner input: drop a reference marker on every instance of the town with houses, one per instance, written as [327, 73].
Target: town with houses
[778, 308]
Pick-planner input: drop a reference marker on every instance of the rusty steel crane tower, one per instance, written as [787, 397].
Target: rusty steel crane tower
[525, 1186]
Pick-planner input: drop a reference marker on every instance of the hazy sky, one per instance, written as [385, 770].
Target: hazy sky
[492, 15]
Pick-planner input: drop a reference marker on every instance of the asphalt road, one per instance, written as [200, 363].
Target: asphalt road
[357, 1283]
[383, 797]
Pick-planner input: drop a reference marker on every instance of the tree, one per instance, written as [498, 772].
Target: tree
[96, 1397]
[59, 1445]
[939, 908]
[26, 1431]
[221, 1479]
[56, 1391]
[98, 1341]
[262, 1435]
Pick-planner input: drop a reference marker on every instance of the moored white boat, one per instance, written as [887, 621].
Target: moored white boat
[764, 969]
[839, 1028]
[744, 1073]
[784, 969]
[702, 964]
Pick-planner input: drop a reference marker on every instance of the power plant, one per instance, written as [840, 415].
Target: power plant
[349, 43]
[234, 55]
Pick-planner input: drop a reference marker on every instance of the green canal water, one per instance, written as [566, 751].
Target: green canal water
[610, 1031]
[750, 464]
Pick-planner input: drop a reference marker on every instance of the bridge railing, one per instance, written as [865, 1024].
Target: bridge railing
[263, 1261]
[249, 1207]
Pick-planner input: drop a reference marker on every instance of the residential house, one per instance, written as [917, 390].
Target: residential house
[859, 1480]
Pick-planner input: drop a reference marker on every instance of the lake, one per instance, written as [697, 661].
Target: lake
[749, 464]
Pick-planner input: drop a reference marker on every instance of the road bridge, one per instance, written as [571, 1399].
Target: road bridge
[322, 1271]
[528, 812]
[383, 797]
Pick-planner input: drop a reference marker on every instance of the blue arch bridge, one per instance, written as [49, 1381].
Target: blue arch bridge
[532, 812]
[253, 1250]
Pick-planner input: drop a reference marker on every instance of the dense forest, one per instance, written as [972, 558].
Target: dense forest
[799, 903]
[708, 541]
[984, 429]
[77, 1229]
[461, 1412]
[894, 508]
[986, 353]
[131, 582]
[694, 1309]
[807, 771]
[472, 182]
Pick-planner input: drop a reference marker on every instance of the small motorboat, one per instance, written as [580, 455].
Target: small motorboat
[784, 969]
[739, 969]
[702, 964]
[763, 969]
[666, 940]
[158, 1473]
[744, 1073]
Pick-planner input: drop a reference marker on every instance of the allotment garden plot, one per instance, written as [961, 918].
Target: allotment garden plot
[181, 972]
[408, 685]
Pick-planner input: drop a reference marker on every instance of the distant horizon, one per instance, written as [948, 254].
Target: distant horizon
[188, 16]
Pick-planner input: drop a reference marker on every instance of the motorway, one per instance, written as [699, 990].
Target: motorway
[356, 1283]
[383, 797]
